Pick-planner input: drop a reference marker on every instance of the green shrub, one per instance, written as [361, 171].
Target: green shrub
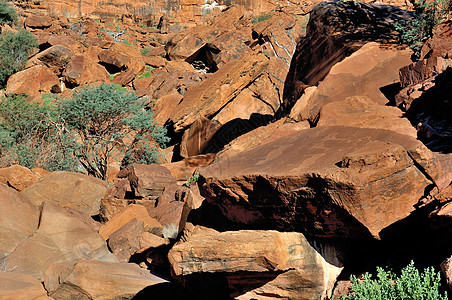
[127, 42]
[102, 116]
[410, 285]
[147, 72]
[146, 50]
[33, 135]
[15, 47]
[428, 15]
[7, 13]
[260, 19]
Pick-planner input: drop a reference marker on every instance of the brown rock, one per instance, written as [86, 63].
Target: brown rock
[164, 107]
[446, 268]
[74, 190]
[253, 253]
[33, 81]
[319, 180]
[55, 57]
[440, 45]
[197, 137]
[55, 274]
[92, 279]
[126, 58]
[115, 201]
[125, 241]
[61, 237]
[419, 71]
[361, 74]
[208, 97]
[35, 21]
[15, 286]
[155, 61]
[18, 177]
[19, 219]
[149, 180]
[133, 211]
[333, 33]
[362, 112]
[81, 70]
[149, 240]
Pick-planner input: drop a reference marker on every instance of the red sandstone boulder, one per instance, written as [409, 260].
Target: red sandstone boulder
[104, 280]
[255, 254]
[133, 211]
[40, 22]
[55, 57]
[18, 177]
[14, 286]
[149, 180]
[19, 219]
[440, 45]
[126, 59]
[125, 241]
[361, 74]
[336, 30]
[82, 70]
[62, 237]
[33, 81]
[328, 181]
[74, 190]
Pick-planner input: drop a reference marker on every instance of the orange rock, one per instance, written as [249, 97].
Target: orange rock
[133, 211]
[81, 70]
[16, 286]
[370, 177]
[259, 252]
[149, 180]
[19, 217]
[74, 190]
[18, 177]
[105, 280]
[55, 57]
[32, 81]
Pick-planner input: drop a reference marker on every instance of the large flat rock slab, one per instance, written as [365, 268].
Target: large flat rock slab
[327, 181]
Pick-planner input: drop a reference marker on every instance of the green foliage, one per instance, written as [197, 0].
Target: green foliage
[147, 73]
[103, 117]
[193, 178]
[15, 47]
[33, 135]
[428, 15]
[146, 50]
[7, 13]
[127, 42]
[260, 19]
[410, 285]
[111, 76]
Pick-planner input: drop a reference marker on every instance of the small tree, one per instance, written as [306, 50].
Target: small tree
[15, 47]
[7, 13]
[33, 135]
[103, 117]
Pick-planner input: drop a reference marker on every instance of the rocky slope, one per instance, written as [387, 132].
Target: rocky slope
[320, 150]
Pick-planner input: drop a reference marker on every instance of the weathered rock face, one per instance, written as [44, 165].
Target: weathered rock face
[74, 190]
[19, 219]
[149, 180]
[120, 219]
[335, 30]
[21, 287]
[104, 280]
[254, 253]
[32, 81]
[363, 73]
[440, 45]
[62, 236]
[83, 70]
[55, 58]
[18, 177]
[327, 181]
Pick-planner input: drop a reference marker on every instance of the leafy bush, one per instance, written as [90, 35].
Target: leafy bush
[260, 19]
[7, 13]
[15, 47]
[146, 50]
[410, 285]
[147, 72]
[33, 135]
[428, 15]
[103, 117]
